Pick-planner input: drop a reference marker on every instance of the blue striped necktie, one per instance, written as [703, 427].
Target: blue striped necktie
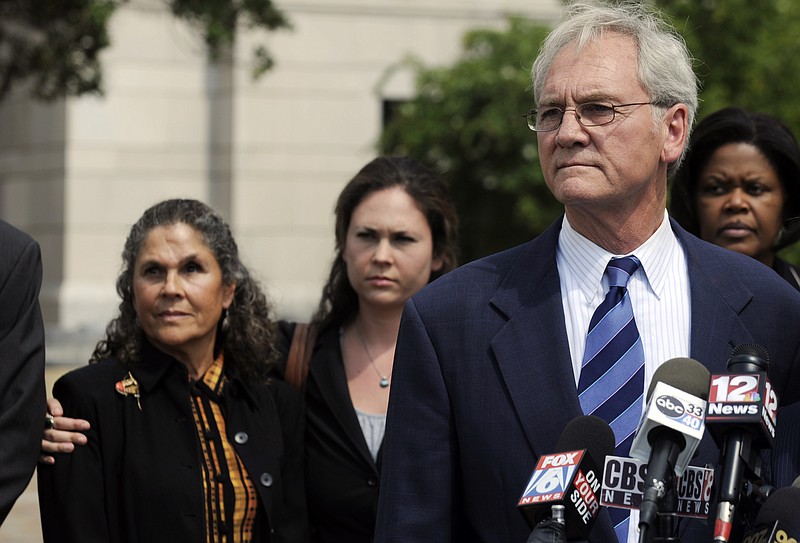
[611, 384]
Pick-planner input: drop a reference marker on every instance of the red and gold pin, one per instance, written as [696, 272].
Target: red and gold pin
[129, 387]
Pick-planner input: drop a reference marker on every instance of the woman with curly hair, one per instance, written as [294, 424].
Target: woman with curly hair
[189, 440]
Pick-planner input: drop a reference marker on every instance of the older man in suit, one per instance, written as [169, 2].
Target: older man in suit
[489, 358]
[22, 394]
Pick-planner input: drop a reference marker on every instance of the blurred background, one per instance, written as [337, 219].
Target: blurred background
[265, 109]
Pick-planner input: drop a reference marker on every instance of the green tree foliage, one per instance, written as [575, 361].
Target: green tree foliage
[465, 118]
[746, 53]
[56, 43]
[218, 20]
[466, 122]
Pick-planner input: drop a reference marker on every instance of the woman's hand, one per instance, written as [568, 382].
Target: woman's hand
[61, 433]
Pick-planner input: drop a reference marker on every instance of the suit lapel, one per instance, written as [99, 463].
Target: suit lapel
[717, 299]
[534, 359]
[532, 349]
[327, 371]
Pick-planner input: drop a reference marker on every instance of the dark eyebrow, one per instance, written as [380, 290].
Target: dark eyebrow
[150, 262]
[194, 257]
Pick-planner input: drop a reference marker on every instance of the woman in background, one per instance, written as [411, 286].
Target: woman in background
[396, 230]
[739, 186]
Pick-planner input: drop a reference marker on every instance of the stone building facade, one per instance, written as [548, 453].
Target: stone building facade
[271, 154]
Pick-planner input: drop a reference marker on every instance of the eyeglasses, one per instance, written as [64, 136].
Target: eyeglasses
[588, 114]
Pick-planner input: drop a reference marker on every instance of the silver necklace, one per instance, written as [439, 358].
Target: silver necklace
[384, 378]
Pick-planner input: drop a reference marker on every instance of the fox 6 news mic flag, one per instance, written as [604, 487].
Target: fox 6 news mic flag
[570, 478]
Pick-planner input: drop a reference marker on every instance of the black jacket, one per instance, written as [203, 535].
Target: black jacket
[139, 480]
[22, 394]
[342, 479]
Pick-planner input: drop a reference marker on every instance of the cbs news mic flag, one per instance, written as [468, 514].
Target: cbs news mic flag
[623, 484]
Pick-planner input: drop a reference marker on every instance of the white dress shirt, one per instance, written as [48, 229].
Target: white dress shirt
[659, 292]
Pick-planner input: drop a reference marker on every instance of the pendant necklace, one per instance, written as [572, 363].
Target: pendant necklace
[384, 379]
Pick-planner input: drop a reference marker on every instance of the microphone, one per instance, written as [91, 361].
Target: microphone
[623, 482]
[741, 419]
[550, 530]
[570, 477]
[670, 430]
[778, 520]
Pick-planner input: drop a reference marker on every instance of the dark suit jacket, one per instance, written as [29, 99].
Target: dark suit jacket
[785, 454]
[22, 394]
[342, 479]
[483, 383]
[138, 479]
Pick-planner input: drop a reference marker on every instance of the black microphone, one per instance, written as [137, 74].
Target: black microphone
[670, 430]
[778, 521]
[741, 419]
[570, 477]
[551, 530]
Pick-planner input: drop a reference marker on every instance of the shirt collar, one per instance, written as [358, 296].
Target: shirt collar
[586, 261]
[213, 380]
[154, 364]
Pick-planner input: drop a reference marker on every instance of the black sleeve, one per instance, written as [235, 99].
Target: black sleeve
[73, 492]
[22, 394]
[291, 411]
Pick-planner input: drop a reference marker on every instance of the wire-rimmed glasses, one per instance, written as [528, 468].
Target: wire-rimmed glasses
[546, 119]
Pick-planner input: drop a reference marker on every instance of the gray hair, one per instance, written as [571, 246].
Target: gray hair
[664, 62]
[246, 333]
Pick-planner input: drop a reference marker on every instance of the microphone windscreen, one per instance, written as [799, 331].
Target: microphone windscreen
[588, 432]
[685, 374]
[748, 358]
[782, 505]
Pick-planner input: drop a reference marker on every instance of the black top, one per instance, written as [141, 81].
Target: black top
[342, 479]
[22, 388]
[138, 479]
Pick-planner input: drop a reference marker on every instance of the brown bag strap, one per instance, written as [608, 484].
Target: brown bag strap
[299, 357]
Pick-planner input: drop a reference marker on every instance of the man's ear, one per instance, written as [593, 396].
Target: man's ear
[677, 130]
